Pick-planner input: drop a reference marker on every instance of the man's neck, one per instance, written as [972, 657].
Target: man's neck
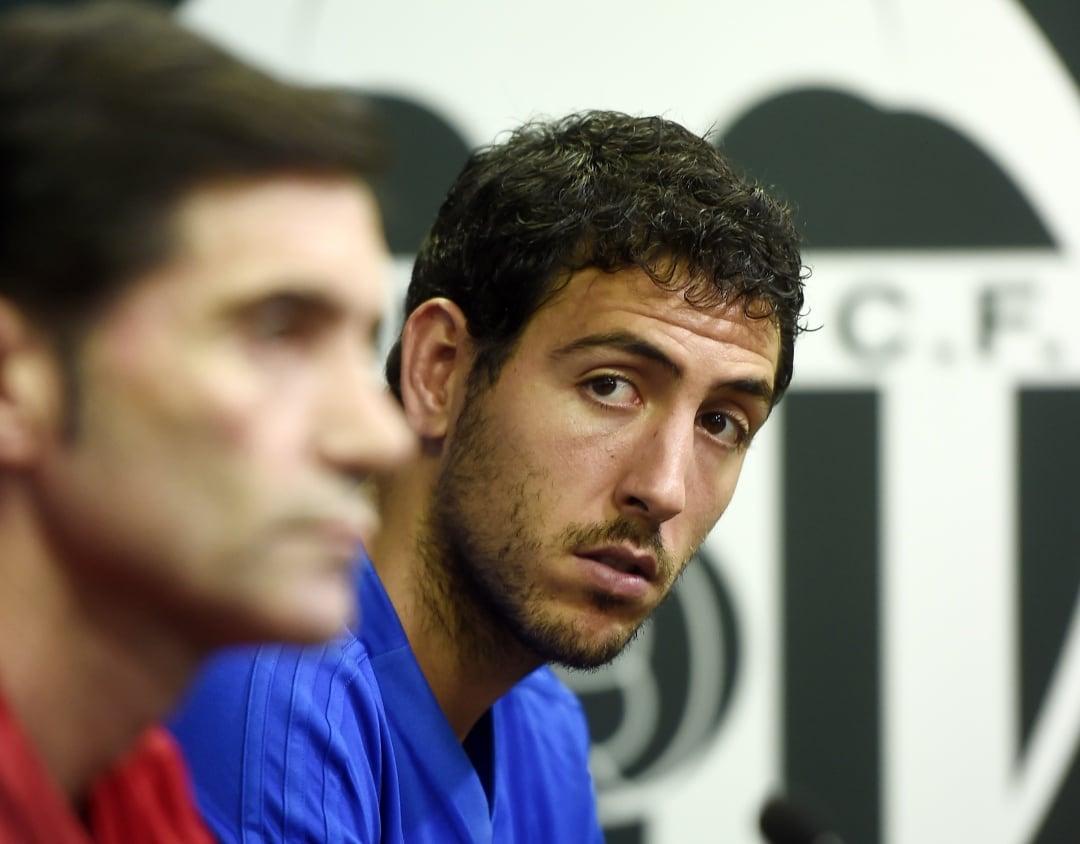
[83, 669]
[468, 657]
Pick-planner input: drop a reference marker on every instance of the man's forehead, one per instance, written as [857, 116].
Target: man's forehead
[214, 214]
[592, 295]
[320, 235]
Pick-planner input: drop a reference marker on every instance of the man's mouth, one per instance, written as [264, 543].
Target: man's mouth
[623, 559]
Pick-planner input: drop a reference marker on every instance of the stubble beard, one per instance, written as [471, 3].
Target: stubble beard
[478, 556]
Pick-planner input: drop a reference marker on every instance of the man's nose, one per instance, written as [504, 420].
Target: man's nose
[653, 482]
[363, 430]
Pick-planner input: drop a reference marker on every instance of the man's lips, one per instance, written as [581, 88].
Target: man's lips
[624, 559]
[336, 542]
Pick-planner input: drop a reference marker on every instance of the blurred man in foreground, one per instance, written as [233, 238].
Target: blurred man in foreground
[191, 275]
[598, 325]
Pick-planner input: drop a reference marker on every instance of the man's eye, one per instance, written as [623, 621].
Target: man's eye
[274, 321]
[610, 389]
[284, 318]
[724, 427]
[604, 386]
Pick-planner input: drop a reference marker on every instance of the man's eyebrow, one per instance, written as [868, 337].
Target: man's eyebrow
[757, 388]
[288, 292]
[623, 341]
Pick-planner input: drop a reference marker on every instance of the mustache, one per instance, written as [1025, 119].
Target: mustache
[621, 529]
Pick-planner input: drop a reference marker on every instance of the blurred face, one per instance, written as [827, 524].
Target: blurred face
[227, 411]
[576, 488]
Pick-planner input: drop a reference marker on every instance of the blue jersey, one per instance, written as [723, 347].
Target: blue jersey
[346, 743]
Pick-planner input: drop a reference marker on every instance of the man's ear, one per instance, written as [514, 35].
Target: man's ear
[436, 356]
[29, 391]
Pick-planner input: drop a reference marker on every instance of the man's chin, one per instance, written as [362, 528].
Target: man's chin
[311, 610]
[591, 660]
[581, 652]
[322, 608]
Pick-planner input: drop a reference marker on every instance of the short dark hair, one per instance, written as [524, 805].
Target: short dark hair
[607, 190]
[110, 113]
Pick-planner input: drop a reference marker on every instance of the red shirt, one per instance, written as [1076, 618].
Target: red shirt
[145, 799]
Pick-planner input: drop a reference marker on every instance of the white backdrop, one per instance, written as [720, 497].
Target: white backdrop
[952, 768]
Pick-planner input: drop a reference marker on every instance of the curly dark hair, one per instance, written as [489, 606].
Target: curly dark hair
[607, 190]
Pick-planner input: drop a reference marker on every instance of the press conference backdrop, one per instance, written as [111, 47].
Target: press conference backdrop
[885, 622]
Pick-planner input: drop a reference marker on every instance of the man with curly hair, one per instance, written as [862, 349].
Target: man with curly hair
[600, 321]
